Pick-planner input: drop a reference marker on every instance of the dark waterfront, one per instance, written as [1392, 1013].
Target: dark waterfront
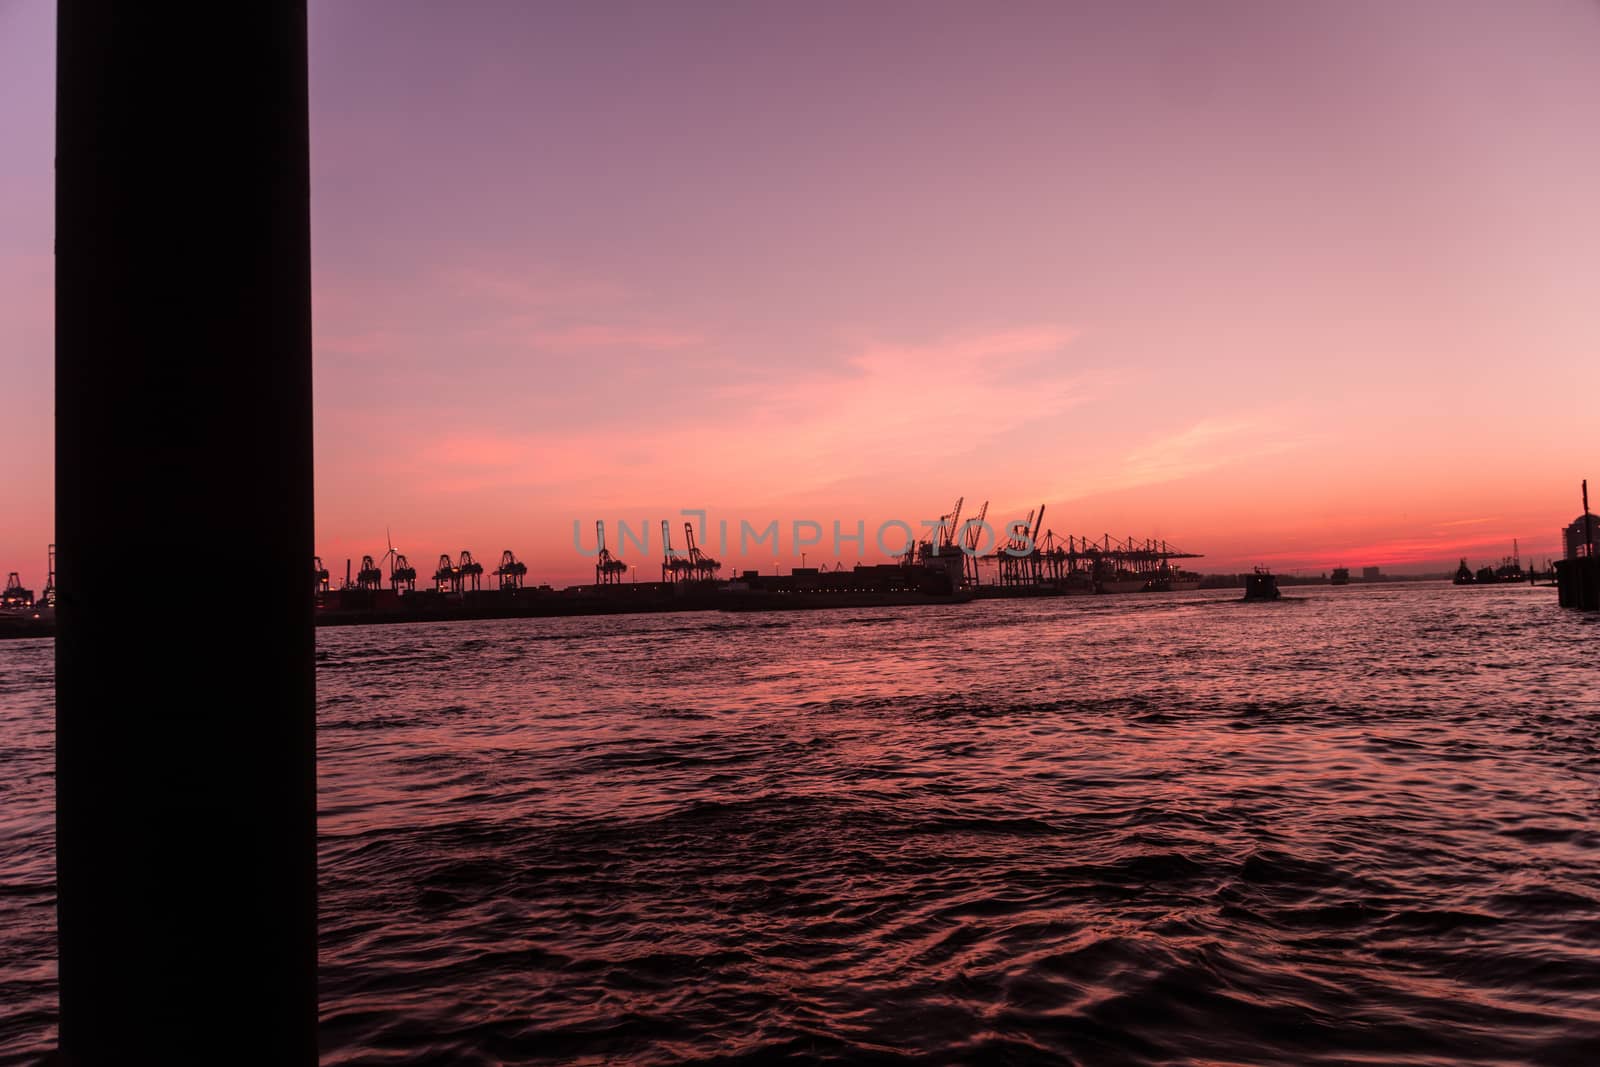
[1355, 826]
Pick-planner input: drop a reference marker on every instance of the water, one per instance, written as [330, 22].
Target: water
[1354, 827]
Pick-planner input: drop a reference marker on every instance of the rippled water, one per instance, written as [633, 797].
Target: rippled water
[1357, 826]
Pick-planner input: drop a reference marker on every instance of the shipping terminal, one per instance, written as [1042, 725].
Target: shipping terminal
[947, 567]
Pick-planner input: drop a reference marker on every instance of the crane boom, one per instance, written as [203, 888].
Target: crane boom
[948, 535]
[975, 531]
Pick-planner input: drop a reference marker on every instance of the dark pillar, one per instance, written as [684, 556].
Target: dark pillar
[185, 719]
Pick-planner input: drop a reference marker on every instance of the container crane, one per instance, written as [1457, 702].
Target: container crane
[1034, 551]
[319, 575]
[1019, 561]
[970, 539]
[400, 572]
[608, 569]
[15, 596]
[470, 570]
[948, 525]
[403, 573]
[674, 566]
[511, 571]
[702, 566]
[369, 576]
[448, 577]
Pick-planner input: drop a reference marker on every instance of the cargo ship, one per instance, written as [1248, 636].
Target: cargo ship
[1170, 580]
[866, 585]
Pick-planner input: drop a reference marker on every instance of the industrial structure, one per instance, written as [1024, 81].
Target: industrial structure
[369, 576]
[608, 569]
[959, 558]
[955, 562]
[702, 568]
[14, 595]
[511, 571]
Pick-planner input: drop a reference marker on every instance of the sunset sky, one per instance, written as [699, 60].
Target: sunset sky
[1304, 284]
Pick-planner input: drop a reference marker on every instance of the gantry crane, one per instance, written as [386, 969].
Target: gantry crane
[319, 575]
[1019, 559]
[702, 566]
[675, 567]
[970, 540]
[448, 577]
[369, 576]
[401, 573]
[15, 596]
[948, 525]
[511, 571]
[608, 569]
[471, 570]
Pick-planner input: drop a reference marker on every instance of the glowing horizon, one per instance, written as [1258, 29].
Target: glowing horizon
[1305, 287]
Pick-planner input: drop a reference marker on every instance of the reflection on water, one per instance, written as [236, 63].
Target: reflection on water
[1354, 826]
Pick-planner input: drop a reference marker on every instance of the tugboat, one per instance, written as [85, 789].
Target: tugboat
[1262, 585]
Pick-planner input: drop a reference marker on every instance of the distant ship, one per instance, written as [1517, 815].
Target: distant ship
[1261, 585]
[1341, 576]
[1508, 572]
[1168, 580]
[20, 614]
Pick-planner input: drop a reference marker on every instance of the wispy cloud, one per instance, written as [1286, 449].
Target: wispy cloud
[1209, 444]
[883, 405]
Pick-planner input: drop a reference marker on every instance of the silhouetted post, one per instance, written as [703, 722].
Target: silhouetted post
[185, 723]
[1588, 523]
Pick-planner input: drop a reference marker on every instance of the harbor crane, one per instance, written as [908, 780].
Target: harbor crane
[447, 579]
[608, 569]
[319, 575]
[1053, 556]
[1019, 561]
[15, 596]
[675, 566]
[1035, 553]
[941, 542]
[701, 566]
[369, 576]
[948, 525]
[511, 571]
[401, 572]
[471, 570]
[971, 537]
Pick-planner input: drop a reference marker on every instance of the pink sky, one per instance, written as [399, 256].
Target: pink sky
[1300, 284]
